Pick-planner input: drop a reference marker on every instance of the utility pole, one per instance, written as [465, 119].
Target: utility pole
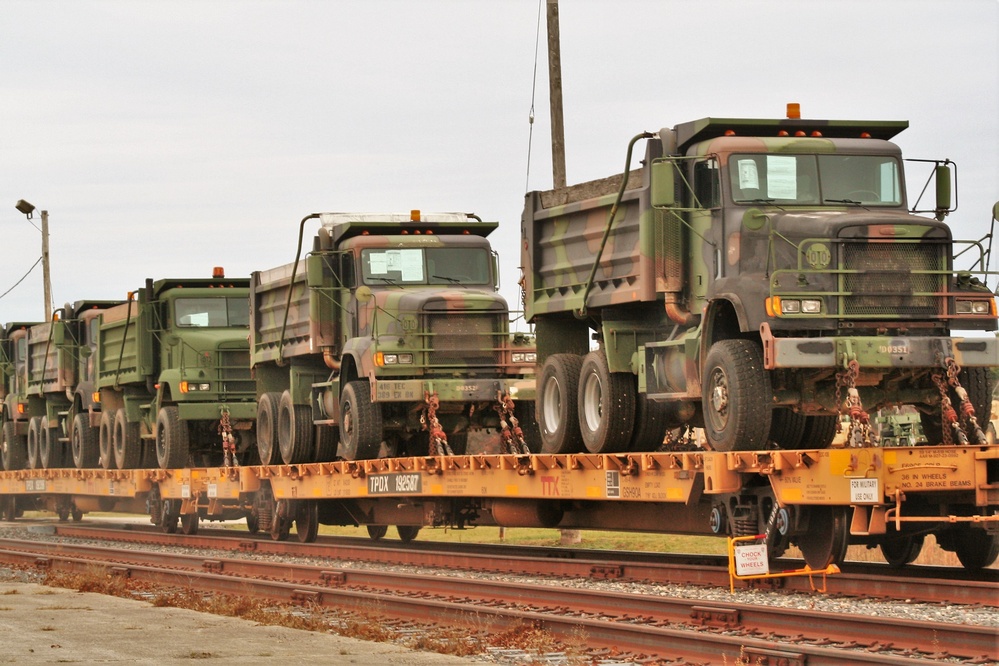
[555, 95]
[46, 277]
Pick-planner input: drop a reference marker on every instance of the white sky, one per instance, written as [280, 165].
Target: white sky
[167, 137]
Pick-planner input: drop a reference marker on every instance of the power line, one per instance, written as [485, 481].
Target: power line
[38, 261]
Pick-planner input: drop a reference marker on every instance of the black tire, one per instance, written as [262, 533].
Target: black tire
[267, 410]
[50, 453]
[127, 444]
[827, 538]
[819, 432]
[900, 550]
[975, 548]
[376, 532]
[526, 415]
[606, 405]
[651, 421]
[173, 444]
[84, 443]
[327, 439]
[34, 442]
[557, 413]
[13, 448]
[307, 521]
[105, 440]
[252, 523]
[978, 385]
[360, 422]
[787, 428]
[407, 532]
[294, 431]
[736, 397]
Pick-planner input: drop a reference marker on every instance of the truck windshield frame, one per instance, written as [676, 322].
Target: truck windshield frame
[426, 266]
[211, 312]
[815, 179]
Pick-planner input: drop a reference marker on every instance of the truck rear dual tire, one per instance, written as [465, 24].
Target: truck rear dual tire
[736, 396]
[267, 419]
[126, 442]
[606, 405]
[294, 431]
[557, 404]
[34, 440]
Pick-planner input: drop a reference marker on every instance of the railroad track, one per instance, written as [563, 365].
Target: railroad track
[920, 584]
[640, 626]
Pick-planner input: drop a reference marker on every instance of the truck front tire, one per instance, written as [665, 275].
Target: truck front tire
[558, 420]
[14, 447]
[736, 397]
[173, 446]
[360, 422]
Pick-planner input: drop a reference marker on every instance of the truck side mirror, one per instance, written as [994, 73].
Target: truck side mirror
[663, 186]
[943, 179]
[363, 294]
[995, 211]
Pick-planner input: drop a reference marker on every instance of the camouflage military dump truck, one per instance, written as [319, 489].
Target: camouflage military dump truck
[58, 397]
[13, 382]
[173, 370]
[756, 278]
[388, 338]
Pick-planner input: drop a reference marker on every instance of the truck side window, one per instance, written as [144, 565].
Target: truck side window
[706, 184]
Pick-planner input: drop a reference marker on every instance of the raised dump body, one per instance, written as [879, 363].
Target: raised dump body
[757, 278]
[390, 337]
[173, 372]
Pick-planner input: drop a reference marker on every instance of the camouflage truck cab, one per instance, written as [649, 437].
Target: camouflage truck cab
[13, 384]
[173, 372]
[756, 278]
[388, 338]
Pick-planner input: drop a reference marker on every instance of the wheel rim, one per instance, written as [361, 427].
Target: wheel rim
[347, 421]
[552, 405]
[76, 445]
[719, 399]
[593, 402]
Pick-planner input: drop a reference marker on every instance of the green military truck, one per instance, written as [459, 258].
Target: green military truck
[756, 278]
[59, 396]
[13, 382]
[173, 371]
[389, 338]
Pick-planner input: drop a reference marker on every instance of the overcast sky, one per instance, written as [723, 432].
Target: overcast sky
[168, 137]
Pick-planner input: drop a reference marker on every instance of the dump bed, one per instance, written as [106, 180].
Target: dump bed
[562, 232]
[310, 323]
[51, 365]
[125, 346]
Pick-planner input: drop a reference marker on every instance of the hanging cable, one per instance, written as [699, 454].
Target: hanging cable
[534, 90]
[38, 261]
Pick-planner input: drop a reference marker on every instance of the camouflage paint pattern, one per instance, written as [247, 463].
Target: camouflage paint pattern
[674, 279]
[338, 328]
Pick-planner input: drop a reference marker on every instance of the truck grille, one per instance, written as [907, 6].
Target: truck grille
[886, 285]
[464, 339]
[234, 372]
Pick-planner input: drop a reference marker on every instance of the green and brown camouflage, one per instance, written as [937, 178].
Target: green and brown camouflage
[170, 362]
[407, 313]
[13, 384]
[786, 244]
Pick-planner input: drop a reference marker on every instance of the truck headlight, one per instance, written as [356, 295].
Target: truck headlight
[191, 387]
[525, 357]
[974, 307]
[800, 306]
[382, 359]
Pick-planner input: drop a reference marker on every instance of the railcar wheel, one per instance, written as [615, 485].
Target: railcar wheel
[105, 440]
[77, 515]
[127, 445]
[606, 405]
[252, 523]
[281, 521]
[189, 523]
[407, 532]
[173, 445]
[307, 521]
[360, 422]
[294, 431]
[557, 403]
[34, 442]
[736, 397]
[50, 452]
[8, 508]
[976, 548]
[827, 537]
[13, 447]
[900, 550]
[376, 532]
[84, 443]
[169, 515]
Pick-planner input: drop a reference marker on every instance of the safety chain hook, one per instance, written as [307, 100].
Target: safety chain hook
[511, 434]
[228, 440]
[429, 422]
[860, 434]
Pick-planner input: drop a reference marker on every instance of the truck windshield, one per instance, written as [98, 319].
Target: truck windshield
[431, 265]
[212, 312]
[869, 180]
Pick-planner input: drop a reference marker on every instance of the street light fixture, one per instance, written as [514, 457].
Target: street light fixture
[27, 209]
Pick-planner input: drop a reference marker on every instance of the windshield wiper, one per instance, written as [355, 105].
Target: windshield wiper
[844, 201]
[449, 279]
[759, 201]
[385, 280]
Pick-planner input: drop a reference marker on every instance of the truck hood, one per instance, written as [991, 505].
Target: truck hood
[852, 223]
[459, 299]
